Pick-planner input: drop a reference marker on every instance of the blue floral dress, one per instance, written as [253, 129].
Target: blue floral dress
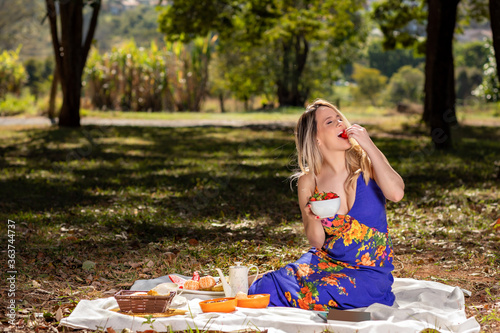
[351, 270]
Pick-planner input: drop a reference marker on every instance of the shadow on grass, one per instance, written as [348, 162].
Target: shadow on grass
[196, 172]
[184, 177]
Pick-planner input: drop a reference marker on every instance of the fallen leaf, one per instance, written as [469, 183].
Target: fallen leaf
[59, 314]
[110, 330]
[150, 264]
[193, 241]
[169, 256]
[110, 292]
[418, 262]
[496, 225]
[35, 284]
[135, 264]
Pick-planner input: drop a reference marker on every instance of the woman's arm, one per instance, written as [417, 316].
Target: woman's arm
[389, 181]
[312, 224]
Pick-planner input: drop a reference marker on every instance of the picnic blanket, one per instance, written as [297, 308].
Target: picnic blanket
[419, 305]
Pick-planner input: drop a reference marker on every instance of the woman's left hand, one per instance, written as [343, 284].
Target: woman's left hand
[360, 134]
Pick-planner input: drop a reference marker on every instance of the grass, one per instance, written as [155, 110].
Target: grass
[141, 202]
[367, 112]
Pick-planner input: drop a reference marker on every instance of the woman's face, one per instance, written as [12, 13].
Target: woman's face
[329, 126]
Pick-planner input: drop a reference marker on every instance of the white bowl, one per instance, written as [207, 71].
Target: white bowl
[325, 208]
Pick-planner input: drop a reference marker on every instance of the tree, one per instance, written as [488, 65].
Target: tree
[494, 7]
[489, 89]
[71, 51]
[18, 21]
[470, 54]
[439, 104]
[389, 62]
[290, 28]
[406, 85]
[402, 25]
[369, 82]
[400, 22]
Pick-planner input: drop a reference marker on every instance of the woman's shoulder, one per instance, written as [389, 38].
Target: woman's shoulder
[306, 180]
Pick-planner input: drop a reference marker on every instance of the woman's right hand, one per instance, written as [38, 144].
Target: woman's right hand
[312, 223]
[310, 213]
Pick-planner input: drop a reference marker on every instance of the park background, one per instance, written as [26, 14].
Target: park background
[178, 154]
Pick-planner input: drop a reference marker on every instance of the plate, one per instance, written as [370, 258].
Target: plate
[200, 292]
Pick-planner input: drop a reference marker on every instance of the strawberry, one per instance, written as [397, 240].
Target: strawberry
[323, 196]
[343, 135]
[196, 276]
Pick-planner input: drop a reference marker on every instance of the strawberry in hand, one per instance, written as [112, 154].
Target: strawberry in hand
[343, 135]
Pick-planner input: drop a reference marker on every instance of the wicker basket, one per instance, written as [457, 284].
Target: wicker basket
[143, 303]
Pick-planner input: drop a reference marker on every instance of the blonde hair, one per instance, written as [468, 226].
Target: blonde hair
[309, 156]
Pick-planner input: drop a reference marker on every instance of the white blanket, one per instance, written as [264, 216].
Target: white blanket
[419, 305]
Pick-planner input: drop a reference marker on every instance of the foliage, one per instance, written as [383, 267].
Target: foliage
[245, 73]
[149, 79]
[39, 74]
[127, 78]
[467, 80]
[188, 72]
[19, 21]
[406, 85]
[471, 54]
[11, 105]
[402, 23]
[139, 23]
[489, 88]
[185, 20]
[287, 31]
[369, 83]
[390, 61]
[12, 73]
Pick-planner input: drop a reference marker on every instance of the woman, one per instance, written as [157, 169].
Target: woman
[350, 262]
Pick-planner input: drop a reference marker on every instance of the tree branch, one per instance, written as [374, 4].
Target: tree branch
[52, 15]
[90, 33]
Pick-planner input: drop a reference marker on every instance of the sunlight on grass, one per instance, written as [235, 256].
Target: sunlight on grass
[203, 197]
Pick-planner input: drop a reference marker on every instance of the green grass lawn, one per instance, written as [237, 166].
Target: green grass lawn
[141, 202]
[464, 113]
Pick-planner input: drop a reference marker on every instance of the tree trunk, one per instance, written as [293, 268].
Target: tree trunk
[70, 53]
[495, 29]
[53, 95]
[290, 90]
[221, 103]
[439, 106]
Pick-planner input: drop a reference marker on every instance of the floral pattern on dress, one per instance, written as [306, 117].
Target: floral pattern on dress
[353, 267]
[372, 249]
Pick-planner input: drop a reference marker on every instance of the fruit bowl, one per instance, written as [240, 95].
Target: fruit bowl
[325, 204]
[256, 301]
[225, 304]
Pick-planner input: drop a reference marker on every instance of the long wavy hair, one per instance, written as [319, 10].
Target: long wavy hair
[309, 156]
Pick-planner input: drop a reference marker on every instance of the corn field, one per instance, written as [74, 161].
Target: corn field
[12, 73]
[132, 78]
